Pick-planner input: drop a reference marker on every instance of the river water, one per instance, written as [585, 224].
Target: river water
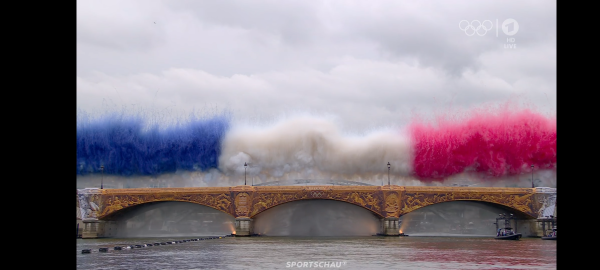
[412, 252]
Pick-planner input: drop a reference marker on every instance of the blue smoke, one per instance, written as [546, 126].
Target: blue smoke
[124, 146]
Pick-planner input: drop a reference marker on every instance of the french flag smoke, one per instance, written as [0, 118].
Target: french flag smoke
[505, 143]
[492, 144]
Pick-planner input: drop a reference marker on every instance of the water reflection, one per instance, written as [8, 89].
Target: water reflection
[356, 252]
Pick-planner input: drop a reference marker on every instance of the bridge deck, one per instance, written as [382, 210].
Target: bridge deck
[318, 187]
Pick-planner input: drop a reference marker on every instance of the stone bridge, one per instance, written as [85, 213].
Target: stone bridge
[99, 208]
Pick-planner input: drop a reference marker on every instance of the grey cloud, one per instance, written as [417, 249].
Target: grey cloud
[223, 37]
[119, 26]
[370, 63]
[294, 21]
[431, 33]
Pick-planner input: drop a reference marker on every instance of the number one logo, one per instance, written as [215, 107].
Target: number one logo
[510, 27]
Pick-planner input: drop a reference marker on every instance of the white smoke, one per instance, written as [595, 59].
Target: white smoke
[311, 147]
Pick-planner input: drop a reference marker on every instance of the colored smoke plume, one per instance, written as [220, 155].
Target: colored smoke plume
[125, 145]
[500, 143]
[311, 147]
[211, 150]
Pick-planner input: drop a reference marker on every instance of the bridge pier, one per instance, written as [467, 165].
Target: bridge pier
[243, 226]
[389, 226]
[98, 229]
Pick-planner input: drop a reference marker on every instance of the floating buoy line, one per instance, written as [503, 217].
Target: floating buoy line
[105, 249]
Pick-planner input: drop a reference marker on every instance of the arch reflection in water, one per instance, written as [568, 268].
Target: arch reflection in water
[316, 218]
[163, 219]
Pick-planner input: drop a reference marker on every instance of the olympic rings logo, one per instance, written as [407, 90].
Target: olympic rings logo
[475, 27]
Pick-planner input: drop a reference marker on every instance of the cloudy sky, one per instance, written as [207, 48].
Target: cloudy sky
[365, 63]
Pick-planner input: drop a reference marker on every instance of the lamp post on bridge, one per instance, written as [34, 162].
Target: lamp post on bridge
[388, 173]
[532, 176]
[245, 165]
[102, 179]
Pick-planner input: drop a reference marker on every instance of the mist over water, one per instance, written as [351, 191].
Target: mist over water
[466, 218]
[316, 218]
[164, 219]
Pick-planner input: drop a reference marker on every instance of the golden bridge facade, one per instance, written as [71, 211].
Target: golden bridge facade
[99, 208]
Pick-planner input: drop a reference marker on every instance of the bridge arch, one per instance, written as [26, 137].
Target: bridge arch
[168, 218]
[260, 208]
[524, 212]
[521, 200]
[149, 206]
[316, 217]
[116, 203]
[370, 198]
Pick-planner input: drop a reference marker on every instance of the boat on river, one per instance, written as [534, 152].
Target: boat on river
[507, 234]
[551, 235]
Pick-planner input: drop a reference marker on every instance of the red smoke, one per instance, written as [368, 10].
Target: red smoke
[497, 144]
